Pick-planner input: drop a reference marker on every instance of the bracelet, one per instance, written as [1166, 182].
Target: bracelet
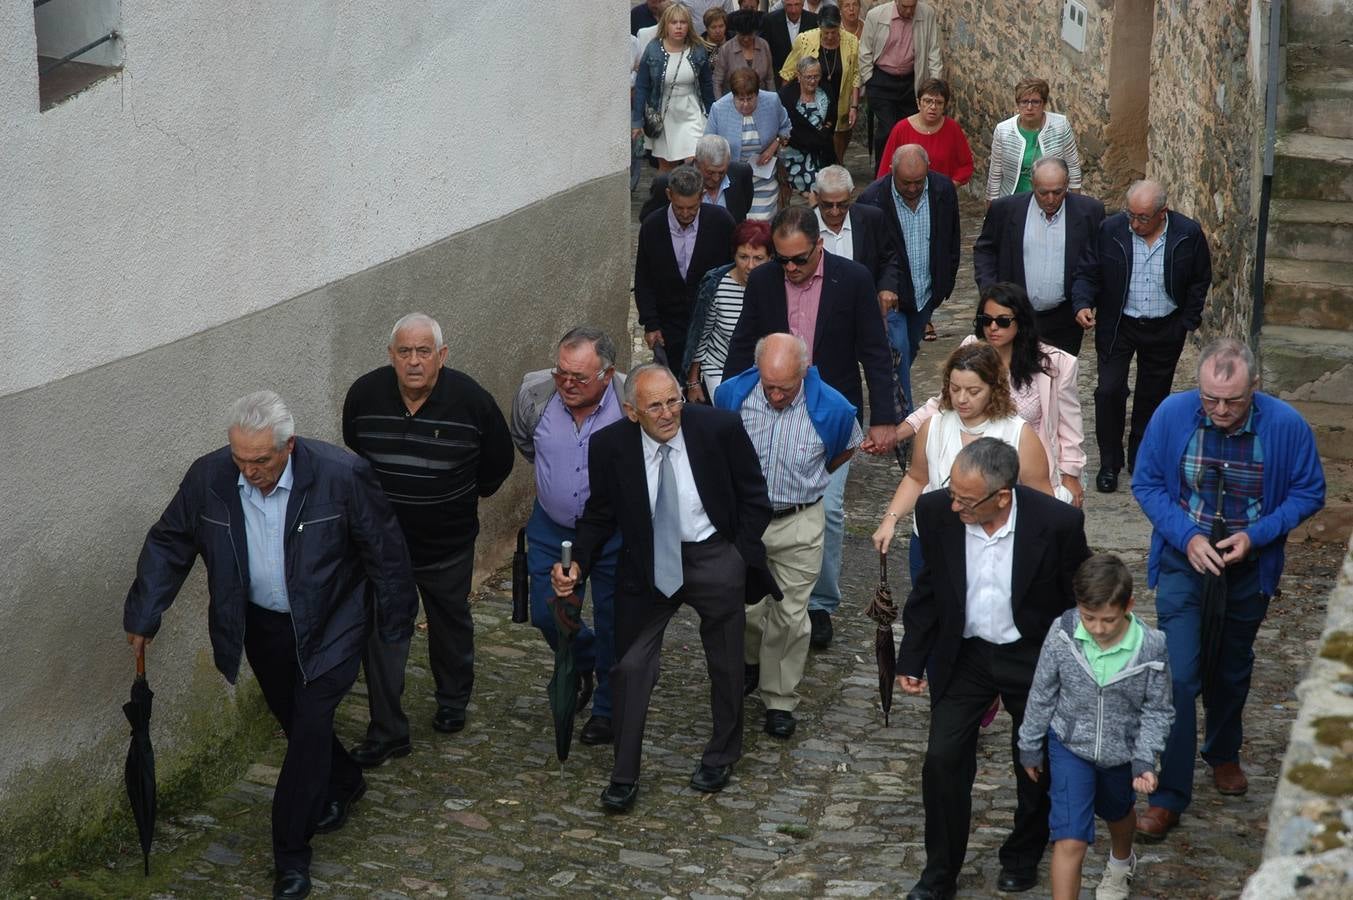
[855, 107]
[691, 384]
[893, 514]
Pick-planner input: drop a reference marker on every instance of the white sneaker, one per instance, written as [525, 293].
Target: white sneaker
[1116, 881]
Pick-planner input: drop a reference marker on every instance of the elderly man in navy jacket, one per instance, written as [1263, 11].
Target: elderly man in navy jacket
[298, 541]
[1141, 284]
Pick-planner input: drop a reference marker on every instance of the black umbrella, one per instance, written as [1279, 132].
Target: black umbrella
[563, 688]
[902, 449]
[884, 612]
[521, 581]
[140, 768]
[1213, 603]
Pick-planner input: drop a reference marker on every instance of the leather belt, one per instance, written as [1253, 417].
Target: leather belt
[797, 507]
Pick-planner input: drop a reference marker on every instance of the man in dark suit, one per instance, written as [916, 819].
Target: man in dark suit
[1058, 225]
[727, 182]
[999, 560]
[696, 541]
[780, 28]
[921, 209]
[304, 557]
[854, 230]
[678, 244]
[1141, 284]
[830, 302]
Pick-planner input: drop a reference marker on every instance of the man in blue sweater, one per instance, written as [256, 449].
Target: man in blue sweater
[1223, 450]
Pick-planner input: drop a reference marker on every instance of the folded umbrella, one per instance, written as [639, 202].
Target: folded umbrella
[884, 612]
[140, 767]
[563, 687]
[521, 581]
[1212, 604]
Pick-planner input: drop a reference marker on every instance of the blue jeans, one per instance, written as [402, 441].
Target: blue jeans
[1179, 614]
[905, 332]
[826, 595]
[593, 647]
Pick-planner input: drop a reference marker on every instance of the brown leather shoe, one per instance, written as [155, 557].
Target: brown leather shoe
[1230, 779]
[1153, 824]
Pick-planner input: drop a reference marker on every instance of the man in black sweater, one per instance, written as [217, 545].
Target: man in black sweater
[438, 443]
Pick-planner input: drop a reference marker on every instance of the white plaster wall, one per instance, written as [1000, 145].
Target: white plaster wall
[251, 152]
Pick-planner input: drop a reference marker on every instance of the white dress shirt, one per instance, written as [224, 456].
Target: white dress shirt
[1045, 256]
[842, 243]
[990, 557]
[695, 524]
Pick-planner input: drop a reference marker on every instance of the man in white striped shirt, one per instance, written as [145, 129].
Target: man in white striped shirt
[803, 430]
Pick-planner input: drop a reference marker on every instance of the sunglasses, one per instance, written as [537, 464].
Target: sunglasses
[985, 321]
[800, 260]
[835, 204]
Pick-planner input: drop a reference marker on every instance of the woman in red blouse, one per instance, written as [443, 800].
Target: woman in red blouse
[940, 135]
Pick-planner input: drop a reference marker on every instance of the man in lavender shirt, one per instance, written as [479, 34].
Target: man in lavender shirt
[554, 416]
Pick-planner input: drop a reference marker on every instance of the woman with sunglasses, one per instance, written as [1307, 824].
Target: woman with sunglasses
[974, 402]
[1042, 383]
[718, 306]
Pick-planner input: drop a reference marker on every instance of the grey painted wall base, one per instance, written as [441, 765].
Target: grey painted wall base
[90, 461]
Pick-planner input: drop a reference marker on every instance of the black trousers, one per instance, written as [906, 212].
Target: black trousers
[316, 768]
[891, 99]
[445, 589]
[1058, 326]
[982, 672]
[1157, 344]
[674, 329]
[713, 576]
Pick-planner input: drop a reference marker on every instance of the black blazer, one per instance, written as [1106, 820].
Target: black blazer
[998, 254]
[727, 477]
[660, 293]
[870, 245]
[849, 333]
[1049, 547]
[775, 29]
[737, 196]
[944, 238]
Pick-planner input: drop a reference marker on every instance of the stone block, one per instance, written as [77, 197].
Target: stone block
[1311, 229]
[1318, 97]
[1313, 294]
[1294, 360]
[1313, 167]
[1317, 21]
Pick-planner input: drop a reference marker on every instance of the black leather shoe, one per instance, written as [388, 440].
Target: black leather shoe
[1106, 482]
[1012, 882]
[821, 634]
[780, 723]
[711, 779]
[586, 683]
[290, 884]
[751, 678]
[448, 720]
[921, 892]
[597, 731]
[336, 813]
[369, 754]
[619, 797]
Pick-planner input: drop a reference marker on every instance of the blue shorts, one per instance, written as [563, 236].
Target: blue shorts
[1081, 790]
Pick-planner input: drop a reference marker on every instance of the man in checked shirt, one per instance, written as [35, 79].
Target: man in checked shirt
[803, 429]
[1264, 456]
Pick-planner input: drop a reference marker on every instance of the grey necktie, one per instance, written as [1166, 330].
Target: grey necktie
[666, 528]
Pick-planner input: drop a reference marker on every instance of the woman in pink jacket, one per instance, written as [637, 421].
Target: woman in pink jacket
[1042, 383]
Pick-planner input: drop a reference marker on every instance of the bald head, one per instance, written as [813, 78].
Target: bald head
[781, 361]
[911, 164]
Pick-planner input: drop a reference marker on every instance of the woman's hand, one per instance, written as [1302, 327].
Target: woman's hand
[636, 133]
[883, 535]
[851, 116]
[768, 154]
[695, 393]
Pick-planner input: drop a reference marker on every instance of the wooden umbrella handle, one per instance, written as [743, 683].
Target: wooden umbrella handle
[141, 661]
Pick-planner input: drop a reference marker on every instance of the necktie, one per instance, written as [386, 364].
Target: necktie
[666, 528]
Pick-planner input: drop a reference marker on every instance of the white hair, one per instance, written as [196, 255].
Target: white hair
[1155, 189]
[414, 319]
[262, 411]
[713, 149]
[834, 178]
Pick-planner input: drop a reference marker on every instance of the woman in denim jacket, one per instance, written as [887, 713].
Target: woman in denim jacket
[675, 80]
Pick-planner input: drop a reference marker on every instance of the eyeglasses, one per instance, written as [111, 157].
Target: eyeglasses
[1213, 402]
[800, 260]
[579, 380]
[420, 352]
[834, 204]
[1030, 101]
[653, 410]
[985, 321]
[1140, 218]
[969, 507]
[932, 101]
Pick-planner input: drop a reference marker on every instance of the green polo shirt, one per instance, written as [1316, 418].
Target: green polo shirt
[1026, 165]
[1106, 663]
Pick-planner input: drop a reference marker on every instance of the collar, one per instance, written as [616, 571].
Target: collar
[723, 186]
[1086, 637]
[675, 227]
[1008, 528]
[1045, 219]
[283, 483]
[677, 443]
[845, 225]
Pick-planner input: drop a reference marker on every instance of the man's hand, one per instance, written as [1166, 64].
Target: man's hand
[1202, 557]
[887, 302]
[1073, 484]
[1034, 772]
[564, 584]
[908, 685]
[654, 337]
[1085, 318]
[1236, 547]
[139, 643]
[880, 439]
[1145, 783]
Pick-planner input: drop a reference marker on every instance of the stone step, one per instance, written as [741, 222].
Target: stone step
[1294, 360]
[1313, 167]
[1319, 21]
[1311, 230]
[1327, 51]
[1312, 294]
[1317, 97]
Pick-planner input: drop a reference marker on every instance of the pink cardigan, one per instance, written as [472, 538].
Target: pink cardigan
[1063, 430]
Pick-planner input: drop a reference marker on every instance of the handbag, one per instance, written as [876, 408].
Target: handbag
[653, 117]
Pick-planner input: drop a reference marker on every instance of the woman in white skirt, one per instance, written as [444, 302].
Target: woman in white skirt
[673, 90]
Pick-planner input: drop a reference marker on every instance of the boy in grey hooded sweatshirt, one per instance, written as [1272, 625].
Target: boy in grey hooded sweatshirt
[1100, 700]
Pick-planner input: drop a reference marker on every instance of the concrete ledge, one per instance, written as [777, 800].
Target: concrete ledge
[1310, 834]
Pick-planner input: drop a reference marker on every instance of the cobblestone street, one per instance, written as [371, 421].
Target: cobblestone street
[833, 812]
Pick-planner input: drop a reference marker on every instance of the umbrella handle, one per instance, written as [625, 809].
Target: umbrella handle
[141, 661]
[883, 569]
[566, 555]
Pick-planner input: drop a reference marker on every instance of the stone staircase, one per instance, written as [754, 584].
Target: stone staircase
[1307, 339]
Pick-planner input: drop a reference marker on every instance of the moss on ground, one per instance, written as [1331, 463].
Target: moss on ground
[1334, 780]
[1339, 647]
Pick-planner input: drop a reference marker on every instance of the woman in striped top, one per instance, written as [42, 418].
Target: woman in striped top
[718, 305]
[1021, 140]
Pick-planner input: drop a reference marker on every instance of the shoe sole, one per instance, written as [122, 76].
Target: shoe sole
[1152, 837]
[1233, 792]
[347, 812]
[375, 763]
[449, 729]
[596, 742]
